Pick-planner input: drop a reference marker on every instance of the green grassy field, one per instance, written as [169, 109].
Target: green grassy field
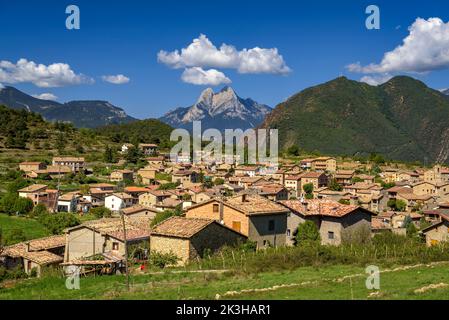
[30, 227]
[331, 282]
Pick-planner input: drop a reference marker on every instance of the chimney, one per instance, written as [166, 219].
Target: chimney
[244, 197]
[27, 245]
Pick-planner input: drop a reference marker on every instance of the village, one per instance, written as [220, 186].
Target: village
[184, 210]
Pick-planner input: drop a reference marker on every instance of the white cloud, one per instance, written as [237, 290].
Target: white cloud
[198, 76]
[204, 54]
[46, 96]
[426, 48]
[118, 79]
[53, 75]
[2, 86]
[375, 80]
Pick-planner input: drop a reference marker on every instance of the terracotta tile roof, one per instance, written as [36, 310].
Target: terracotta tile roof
[33, 188]
[398, 189]
[311, 175]
[102, 185]
[180, 227]
[122, 195]
[136, 189]
[136, 228]
[136, 209]
[36, 245]
[296, 177]
[255, 205]
[316, 207]
[412, 196]
[43, 257]
[379, 224]
[32, 163]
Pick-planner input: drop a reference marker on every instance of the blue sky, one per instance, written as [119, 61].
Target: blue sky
[316, 39]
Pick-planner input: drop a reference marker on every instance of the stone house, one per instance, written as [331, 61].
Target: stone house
[121, 175]
[189, 238]
[261, 220]
[140, 211]
[34, 254]
[344, 177]
[31, 166]
[293, 184]
[154, 197]
[333, 219]
[184, 177]
[317, 179]
[148, 148]
[76, 164]
[438, 232]
[105, 236]
[147, 174]
[324, 164]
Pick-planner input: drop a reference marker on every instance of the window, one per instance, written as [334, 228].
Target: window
[330, 235]
[237, 226]
[288, 232]
[215, 207]
[271, 225]
[115, 246]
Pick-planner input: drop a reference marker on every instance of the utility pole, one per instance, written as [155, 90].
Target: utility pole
[126, 249]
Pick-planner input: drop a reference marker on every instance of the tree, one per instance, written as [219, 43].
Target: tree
[101, 212]
[56, 223]
[293, 150]
[60, 142]
[15, 236]
[108, 155]
[307, 233]
[39, 210]
[219, 181]
[423, 223]
[335, 186]
[133, 155]
[23, 206]
[397, 204]
[162, 216]
[308, 189]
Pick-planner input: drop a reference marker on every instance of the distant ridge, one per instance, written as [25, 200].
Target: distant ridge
[87, 114]
[402, 119]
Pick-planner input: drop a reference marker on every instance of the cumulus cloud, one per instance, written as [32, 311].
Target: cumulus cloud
[117, 79]
[426, 48]
[375, 80]
[198, 76]
[46, 96]
[203, 54]
[53, 75]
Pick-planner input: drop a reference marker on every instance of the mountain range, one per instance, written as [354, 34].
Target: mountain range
[88, 114]
[221, 110]
[402, 119]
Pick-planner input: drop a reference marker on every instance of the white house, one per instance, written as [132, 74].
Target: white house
[68, 202]
[118, 201]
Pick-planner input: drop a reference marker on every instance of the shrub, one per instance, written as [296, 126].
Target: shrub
[307, 232]
[358, 235]
[161, 260]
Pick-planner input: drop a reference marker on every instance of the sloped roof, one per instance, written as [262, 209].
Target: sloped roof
[33, 188]
[319, 207]
[181, 227]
